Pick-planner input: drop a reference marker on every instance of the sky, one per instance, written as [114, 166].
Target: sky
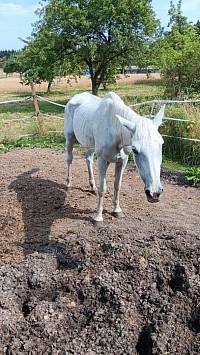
[17, 17]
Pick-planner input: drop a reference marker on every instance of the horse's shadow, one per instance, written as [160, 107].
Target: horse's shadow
[42, 202]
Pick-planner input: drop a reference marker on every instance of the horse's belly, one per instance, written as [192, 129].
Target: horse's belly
[84, 134]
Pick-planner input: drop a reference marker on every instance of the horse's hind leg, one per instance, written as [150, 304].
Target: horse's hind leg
[89, 161]
[119, 170]
[70, 140]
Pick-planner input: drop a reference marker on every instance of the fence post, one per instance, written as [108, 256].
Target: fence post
[37, 110]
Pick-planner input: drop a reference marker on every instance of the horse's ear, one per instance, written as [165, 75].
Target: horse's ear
[129, 125]
[157, 121]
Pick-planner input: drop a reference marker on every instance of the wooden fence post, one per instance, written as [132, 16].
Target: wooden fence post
[37, 110]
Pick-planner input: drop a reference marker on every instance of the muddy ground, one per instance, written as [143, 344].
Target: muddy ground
[130, 287]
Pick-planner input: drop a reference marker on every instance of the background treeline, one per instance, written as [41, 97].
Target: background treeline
[5, 55]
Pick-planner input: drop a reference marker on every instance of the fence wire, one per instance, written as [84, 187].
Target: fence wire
[152, 102]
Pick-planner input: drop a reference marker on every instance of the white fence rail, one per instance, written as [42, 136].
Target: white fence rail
[152, 103]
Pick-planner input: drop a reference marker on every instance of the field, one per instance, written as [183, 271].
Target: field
[18, 120]
[131, 287]
[11, 83]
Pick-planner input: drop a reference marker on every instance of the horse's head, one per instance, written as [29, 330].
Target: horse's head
[146, 143]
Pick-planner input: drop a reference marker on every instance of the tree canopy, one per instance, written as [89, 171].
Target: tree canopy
[96, 35]
[104, 36]
[179, 54]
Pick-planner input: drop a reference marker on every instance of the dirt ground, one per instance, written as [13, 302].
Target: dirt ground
[130, 287]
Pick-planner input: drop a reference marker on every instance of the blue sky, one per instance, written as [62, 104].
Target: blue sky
[16, 17]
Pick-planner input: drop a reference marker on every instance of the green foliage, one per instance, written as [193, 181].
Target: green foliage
[179, 55]
[48, 141]
[96, 35]
[5, 55]
[197, 27]
[172, 164]
[111, 247]
[148, 251]
[184, 151]
[193, 175]
[39, 61]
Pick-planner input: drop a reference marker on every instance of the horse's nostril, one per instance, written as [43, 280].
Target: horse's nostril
[159, 193]
[152, 197]
[148, 193]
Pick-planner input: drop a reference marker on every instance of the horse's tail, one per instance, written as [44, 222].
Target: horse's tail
[69, 115]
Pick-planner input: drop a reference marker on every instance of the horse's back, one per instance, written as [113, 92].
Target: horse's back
[93, 122]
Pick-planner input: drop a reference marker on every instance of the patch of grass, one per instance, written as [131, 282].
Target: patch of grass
[111, 248]
[148, 252]
[50, 141]
[173, 165]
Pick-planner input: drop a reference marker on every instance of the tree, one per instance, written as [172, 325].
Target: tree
[97, 35]
[12, 65]
[39, 60]
[197, 27]
[180, 55]
[5, 55]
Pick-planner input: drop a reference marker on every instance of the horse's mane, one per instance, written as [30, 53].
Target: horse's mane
[145, 131]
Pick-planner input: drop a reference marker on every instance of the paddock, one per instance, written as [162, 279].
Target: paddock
[132, 284]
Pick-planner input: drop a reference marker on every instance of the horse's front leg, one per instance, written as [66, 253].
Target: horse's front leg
[102, 169]
[70, 140]
[119, 170]
[89, 161]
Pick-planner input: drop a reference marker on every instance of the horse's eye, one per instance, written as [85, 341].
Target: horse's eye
[135, 150]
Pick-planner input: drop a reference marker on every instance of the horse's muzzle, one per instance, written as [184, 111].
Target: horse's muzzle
[153, 197]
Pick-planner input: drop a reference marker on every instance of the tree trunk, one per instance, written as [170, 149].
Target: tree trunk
[49, 85]
[95, 88]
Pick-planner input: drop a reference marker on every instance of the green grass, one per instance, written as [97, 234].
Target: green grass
[173, 165]
[18, 121]
[48, 141]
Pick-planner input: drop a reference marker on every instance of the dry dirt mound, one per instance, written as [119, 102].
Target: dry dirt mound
[130, 287]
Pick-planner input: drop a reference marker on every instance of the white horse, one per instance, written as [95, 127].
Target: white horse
[111, 129]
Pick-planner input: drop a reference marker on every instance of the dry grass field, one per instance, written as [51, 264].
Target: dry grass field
[12, 83]
[14, 115]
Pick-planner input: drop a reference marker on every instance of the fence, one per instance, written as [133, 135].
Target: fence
[162, 102]
[35, 98]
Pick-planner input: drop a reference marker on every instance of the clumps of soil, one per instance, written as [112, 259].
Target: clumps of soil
[108, 294]
[131, 287]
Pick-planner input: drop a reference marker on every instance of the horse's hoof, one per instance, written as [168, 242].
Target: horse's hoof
[97, 224]
[118, 214]
[93, 192]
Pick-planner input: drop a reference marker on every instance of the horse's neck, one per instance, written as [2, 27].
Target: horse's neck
[130, 115]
